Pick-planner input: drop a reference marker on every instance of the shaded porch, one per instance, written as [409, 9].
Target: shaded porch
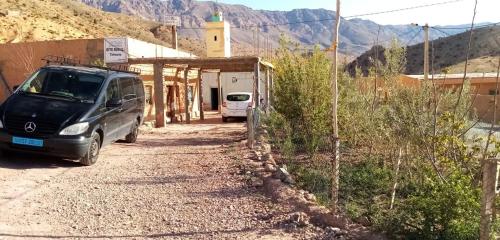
[181, 101]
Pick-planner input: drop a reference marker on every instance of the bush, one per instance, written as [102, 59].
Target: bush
[411, 138]
[302, 96]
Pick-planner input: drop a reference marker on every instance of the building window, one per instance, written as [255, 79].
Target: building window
[492, 92]
[215, 38]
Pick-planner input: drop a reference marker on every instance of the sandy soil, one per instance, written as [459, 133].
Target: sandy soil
[181, 182]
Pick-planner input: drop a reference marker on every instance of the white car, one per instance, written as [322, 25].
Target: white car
[236, 105]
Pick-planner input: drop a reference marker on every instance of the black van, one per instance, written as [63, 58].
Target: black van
[72, 111]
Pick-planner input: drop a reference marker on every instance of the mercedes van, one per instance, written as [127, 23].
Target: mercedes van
[72, 112]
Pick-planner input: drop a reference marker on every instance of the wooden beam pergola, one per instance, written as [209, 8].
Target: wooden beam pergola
[219, 65]
[234, 64]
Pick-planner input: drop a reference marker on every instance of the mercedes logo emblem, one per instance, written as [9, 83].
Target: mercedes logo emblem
[29, 127]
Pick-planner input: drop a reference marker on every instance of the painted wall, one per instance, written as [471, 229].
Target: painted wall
[482, 86]
[19, 60]
[141, 49]
[218, 39]
[230, 82]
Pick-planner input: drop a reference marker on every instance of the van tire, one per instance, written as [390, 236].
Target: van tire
[134, 132]
[93, 152]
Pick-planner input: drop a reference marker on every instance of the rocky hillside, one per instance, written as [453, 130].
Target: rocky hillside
[449, 53]
[356, 35]
[38, 20]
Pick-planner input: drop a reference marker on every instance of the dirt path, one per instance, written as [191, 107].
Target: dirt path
[177, 183]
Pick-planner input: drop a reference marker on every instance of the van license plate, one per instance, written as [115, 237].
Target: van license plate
[27, 141]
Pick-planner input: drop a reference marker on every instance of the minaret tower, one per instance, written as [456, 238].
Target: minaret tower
[218, 36]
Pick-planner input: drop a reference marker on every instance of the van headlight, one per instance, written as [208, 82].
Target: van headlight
[75, 129]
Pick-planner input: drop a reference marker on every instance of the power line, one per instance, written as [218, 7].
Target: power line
[441, 31]
[403, 9]
[333, 19]
[414, 36]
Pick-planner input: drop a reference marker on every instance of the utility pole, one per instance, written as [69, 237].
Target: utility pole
[174, 38]
[426, 49]
[335, 157]
[426, 52]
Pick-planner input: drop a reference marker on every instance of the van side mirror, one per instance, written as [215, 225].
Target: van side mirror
[15, 87]
[112, 103]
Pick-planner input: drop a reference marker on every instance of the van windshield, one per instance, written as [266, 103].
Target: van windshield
[65, 84]
[238, 97]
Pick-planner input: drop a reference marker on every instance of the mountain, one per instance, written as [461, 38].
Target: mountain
[449, 53]
[314, 26]
[68, 19]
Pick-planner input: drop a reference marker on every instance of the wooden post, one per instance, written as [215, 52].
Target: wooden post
[186, 97]
[267, 93]
[257, 84]
[200, 94]
[174, 37]
[219, 89]
[250, 128]
[174, 95]
[488, 197]
[335, 156]
[159, 95]
[271, 89]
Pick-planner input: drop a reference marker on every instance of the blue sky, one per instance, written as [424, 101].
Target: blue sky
[453, 13]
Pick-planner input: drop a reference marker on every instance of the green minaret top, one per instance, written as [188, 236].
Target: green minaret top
[217, 17]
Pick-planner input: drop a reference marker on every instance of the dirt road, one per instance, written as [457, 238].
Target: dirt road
[180, 182]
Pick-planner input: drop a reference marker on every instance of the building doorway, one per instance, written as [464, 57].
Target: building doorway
[214, 96]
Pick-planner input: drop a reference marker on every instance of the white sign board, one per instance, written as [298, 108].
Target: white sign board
[171, 20]
[115, 50]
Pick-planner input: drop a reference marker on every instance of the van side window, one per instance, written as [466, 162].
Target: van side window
[113, 91]
[127, 85]
[139, 88]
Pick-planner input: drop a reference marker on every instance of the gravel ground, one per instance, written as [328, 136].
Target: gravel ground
[181, 182]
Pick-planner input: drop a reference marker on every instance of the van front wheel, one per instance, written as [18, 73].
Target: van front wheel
[93, 152]
[134, 132]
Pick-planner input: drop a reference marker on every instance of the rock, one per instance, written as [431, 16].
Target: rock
[149, 124]
[266, 157]
[283, 175]
[310, 197]
[332, 230]
[363, 221]
[288, 179]
[270, 168]
[266, 148]
[299, 218]
[256, 182]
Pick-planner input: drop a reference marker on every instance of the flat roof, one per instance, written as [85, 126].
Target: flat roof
[232, 64]
[455, 75]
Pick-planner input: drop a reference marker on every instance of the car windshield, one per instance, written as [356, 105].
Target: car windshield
[238, 97]
[64, 83]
